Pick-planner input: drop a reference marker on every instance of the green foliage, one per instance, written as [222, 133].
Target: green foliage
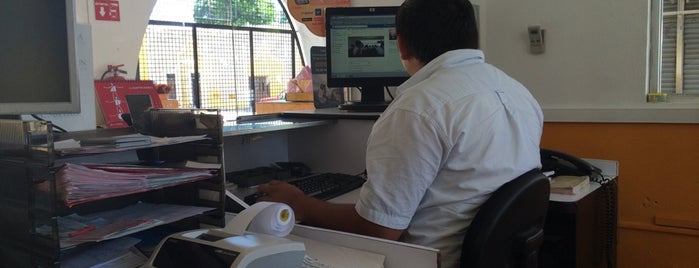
[234, 12]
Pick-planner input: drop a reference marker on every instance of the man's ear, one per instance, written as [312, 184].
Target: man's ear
[403, 49]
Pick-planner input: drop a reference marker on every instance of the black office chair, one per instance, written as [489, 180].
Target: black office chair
[508, 229]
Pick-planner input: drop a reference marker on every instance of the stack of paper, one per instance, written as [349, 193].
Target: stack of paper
[69, 148]
[116, 253]
[83, 183]
[120, 141]
[113, 224]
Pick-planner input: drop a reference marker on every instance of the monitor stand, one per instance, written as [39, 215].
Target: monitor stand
[372, 100]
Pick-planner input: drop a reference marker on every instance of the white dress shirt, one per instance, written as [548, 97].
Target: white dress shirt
[456, 131]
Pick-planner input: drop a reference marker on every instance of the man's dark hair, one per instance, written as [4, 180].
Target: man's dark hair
[430, 28]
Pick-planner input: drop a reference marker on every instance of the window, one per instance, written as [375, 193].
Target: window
[675, 48]
[220, 54]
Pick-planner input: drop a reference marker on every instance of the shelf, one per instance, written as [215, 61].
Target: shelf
[31, 199]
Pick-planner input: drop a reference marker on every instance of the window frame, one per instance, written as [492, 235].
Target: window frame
[196, 99]
[656, 36]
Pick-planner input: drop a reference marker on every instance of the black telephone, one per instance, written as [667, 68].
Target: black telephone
[565, 164]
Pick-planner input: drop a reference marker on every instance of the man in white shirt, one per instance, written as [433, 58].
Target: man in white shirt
[456, 131]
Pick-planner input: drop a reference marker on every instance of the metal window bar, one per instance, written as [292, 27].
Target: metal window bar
[219, 67]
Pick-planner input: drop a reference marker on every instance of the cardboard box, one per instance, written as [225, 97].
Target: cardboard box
[301, 96]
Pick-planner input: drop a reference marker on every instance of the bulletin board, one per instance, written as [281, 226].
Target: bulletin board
[111, 99]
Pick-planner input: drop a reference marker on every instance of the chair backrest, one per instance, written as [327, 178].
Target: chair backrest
[507, 231]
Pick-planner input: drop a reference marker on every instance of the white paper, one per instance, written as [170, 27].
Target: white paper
[323, 254]
[270, 218]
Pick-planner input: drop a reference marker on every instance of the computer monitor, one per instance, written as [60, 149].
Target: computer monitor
[362, 52]
[38, 63]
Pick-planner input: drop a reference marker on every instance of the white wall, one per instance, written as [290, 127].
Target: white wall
[594, 67]
[113, 43]
[119, 42]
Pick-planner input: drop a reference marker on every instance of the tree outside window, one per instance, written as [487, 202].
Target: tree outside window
[234, 12]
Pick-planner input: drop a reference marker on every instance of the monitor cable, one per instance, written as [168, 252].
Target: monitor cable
[389, 92]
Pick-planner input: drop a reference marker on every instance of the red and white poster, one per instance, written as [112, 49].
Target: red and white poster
[312, 12]
[107, 10]
[111, 97]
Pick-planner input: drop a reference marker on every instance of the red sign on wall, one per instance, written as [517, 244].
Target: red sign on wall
[107, 10]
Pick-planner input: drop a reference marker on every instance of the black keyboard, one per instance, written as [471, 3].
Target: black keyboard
[323, 186]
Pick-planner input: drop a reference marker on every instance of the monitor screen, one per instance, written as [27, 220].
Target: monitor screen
[37, 52]
[362, 51]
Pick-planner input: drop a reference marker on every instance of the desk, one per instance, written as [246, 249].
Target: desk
[576, 229]
[397, 254]
[331, 113]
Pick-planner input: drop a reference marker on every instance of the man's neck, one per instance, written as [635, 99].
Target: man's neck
[412, 65]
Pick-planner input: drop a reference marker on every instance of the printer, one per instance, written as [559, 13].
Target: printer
[252, 239]
[212, 248]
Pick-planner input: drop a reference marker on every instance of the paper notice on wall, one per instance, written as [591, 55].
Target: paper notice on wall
[312, 12]
[323, 96]
[113, 104]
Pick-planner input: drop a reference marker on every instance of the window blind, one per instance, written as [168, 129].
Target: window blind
[680, 47]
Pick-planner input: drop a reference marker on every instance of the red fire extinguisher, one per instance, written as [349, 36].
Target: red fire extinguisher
[115, 71]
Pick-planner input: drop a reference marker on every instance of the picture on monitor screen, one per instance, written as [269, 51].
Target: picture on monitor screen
[362, 52]
[365, 46]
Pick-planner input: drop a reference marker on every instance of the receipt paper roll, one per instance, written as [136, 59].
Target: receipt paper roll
[270, 218]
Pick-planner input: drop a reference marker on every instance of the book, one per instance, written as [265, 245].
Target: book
[569, 185]
[119, 141]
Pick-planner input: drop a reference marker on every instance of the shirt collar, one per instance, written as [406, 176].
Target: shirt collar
[448, 59]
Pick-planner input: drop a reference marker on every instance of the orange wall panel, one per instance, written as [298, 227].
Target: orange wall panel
[658, 179]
